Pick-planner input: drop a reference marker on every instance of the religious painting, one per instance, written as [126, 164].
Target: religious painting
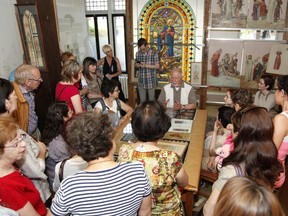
[268, 14]
[169, 28]
[29, 26]
[277, 63]
[255, 60]
[224, 64]
[196, 73]
[229, 13]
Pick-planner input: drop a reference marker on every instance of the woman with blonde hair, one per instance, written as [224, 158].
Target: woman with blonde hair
[111, 67]
[65, 89]
[242, 196]
[17, 192]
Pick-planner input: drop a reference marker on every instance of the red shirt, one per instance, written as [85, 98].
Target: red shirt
[65, 92]
[16, 190]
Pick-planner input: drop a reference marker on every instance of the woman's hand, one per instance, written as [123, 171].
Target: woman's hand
[43, 150]
[109, 76]
[217, 125]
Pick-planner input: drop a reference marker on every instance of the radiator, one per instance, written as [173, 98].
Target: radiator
[123, 78]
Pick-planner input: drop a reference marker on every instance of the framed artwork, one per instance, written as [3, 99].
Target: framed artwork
[169, 27]
[134, 72]
[196, 73]
[267, 14]
[254, 64]
[224, 66]
[30, 30]
[277, 63]
[229, 13]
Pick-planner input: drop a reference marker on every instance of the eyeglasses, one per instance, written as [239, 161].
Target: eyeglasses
[37, 80]
[16, 142]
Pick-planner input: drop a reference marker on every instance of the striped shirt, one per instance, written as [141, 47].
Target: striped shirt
[147, 77]
[115, 191]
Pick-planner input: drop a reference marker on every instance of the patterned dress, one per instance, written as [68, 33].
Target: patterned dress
[161, 167]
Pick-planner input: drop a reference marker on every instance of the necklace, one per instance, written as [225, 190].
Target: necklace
[142, 147]
[95, 163]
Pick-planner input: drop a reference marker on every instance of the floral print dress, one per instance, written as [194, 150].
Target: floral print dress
[161, 167]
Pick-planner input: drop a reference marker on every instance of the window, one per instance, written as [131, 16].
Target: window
[106, 23]
[119, 5]
[96, 5]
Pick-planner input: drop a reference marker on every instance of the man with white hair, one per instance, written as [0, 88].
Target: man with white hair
[27, 79]
[178, 94]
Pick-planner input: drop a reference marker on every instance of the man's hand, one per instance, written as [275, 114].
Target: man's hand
[166, 102]
[177, 106]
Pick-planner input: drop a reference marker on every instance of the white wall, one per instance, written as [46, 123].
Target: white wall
[11, 51]
[72, 28]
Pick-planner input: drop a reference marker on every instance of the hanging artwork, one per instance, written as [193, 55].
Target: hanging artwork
[229, 13]
[278, 63]
[268, 14]
[196, 73]
[255, 59]
[30, 30]
[169, 27]
[224, 64]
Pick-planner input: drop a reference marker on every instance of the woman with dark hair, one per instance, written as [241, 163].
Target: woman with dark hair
[281, 124]
[164, 168]
[264, 97]
[105, 187]
[58, 150]
[17, 192]
[93, 78]
[254, 154]
[242, 196]
[32, 165]
[111, 103]
[66, 91]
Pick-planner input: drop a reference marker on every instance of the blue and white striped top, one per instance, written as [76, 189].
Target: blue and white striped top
[115, 191]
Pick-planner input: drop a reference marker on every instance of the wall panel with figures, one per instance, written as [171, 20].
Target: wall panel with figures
[241, 35]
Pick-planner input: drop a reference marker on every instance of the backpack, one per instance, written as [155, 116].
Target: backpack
[104, 107]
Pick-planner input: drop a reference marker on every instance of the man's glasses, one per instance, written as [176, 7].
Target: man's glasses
[37, 80]
[16, 142]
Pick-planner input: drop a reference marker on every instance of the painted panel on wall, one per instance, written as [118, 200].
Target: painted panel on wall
[169, 27]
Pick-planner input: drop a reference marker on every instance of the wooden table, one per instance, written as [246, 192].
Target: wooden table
[192, 162]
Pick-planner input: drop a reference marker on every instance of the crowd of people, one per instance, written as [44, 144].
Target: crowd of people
[69, 167]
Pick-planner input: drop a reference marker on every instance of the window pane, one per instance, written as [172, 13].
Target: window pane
[102, 32]
[91, 36]
[96, 5]
[119, 5]
[119, 36]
